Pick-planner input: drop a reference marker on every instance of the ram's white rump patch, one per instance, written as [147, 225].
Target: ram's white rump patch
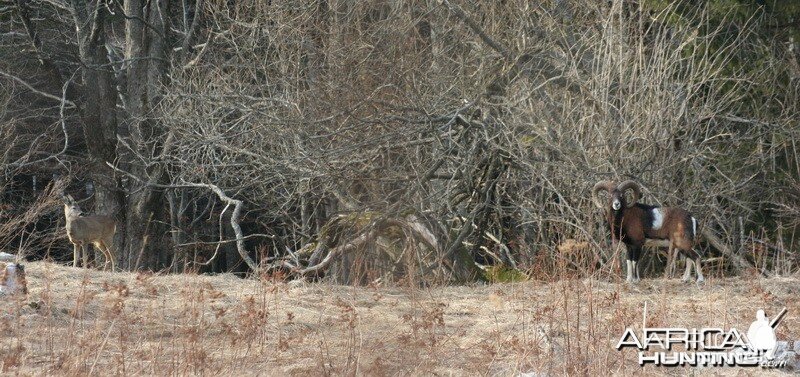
[658, 218]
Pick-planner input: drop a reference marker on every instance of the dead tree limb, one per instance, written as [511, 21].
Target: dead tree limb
[362, 239]
[235, 216]
[740, 262]
[413, 229]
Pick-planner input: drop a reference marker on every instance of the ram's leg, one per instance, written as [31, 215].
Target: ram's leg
[634, 251]
[698, 269]
[629, 270]
[630, 249]
[635, 265]
[669, 270]
[685, 245]
[675, 255]
[637, 254]
[687, 274]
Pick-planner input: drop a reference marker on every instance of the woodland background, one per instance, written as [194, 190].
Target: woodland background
[370, 141]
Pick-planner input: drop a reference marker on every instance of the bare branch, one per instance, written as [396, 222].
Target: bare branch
[36, 91]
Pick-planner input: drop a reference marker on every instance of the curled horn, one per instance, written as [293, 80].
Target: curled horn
[631, 185]
[599, 186]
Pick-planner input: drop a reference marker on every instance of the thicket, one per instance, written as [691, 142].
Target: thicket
[412, 141]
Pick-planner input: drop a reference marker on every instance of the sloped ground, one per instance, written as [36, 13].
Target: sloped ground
[78, 322]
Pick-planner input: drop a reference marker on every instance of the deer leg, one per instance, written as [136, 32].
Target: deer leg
[85, 255]
[99, 246]
[106, 243]
[75, 255]
[107, 254]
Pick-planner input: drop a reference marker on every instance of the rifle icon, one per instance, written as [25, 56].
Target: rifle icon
[778, 318]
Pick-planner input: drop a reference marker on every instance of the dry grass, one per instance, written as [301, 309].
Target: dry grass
[89, 322]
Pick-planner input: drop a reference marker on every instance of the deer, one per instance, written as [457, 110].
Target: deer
[82, 231]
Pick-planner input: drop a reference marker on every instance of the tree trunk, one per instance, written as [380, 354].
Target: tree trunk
[98, 111]
[145, 54]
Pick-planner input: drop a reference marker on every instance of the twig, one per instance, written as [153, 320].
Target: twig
[30, 87]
